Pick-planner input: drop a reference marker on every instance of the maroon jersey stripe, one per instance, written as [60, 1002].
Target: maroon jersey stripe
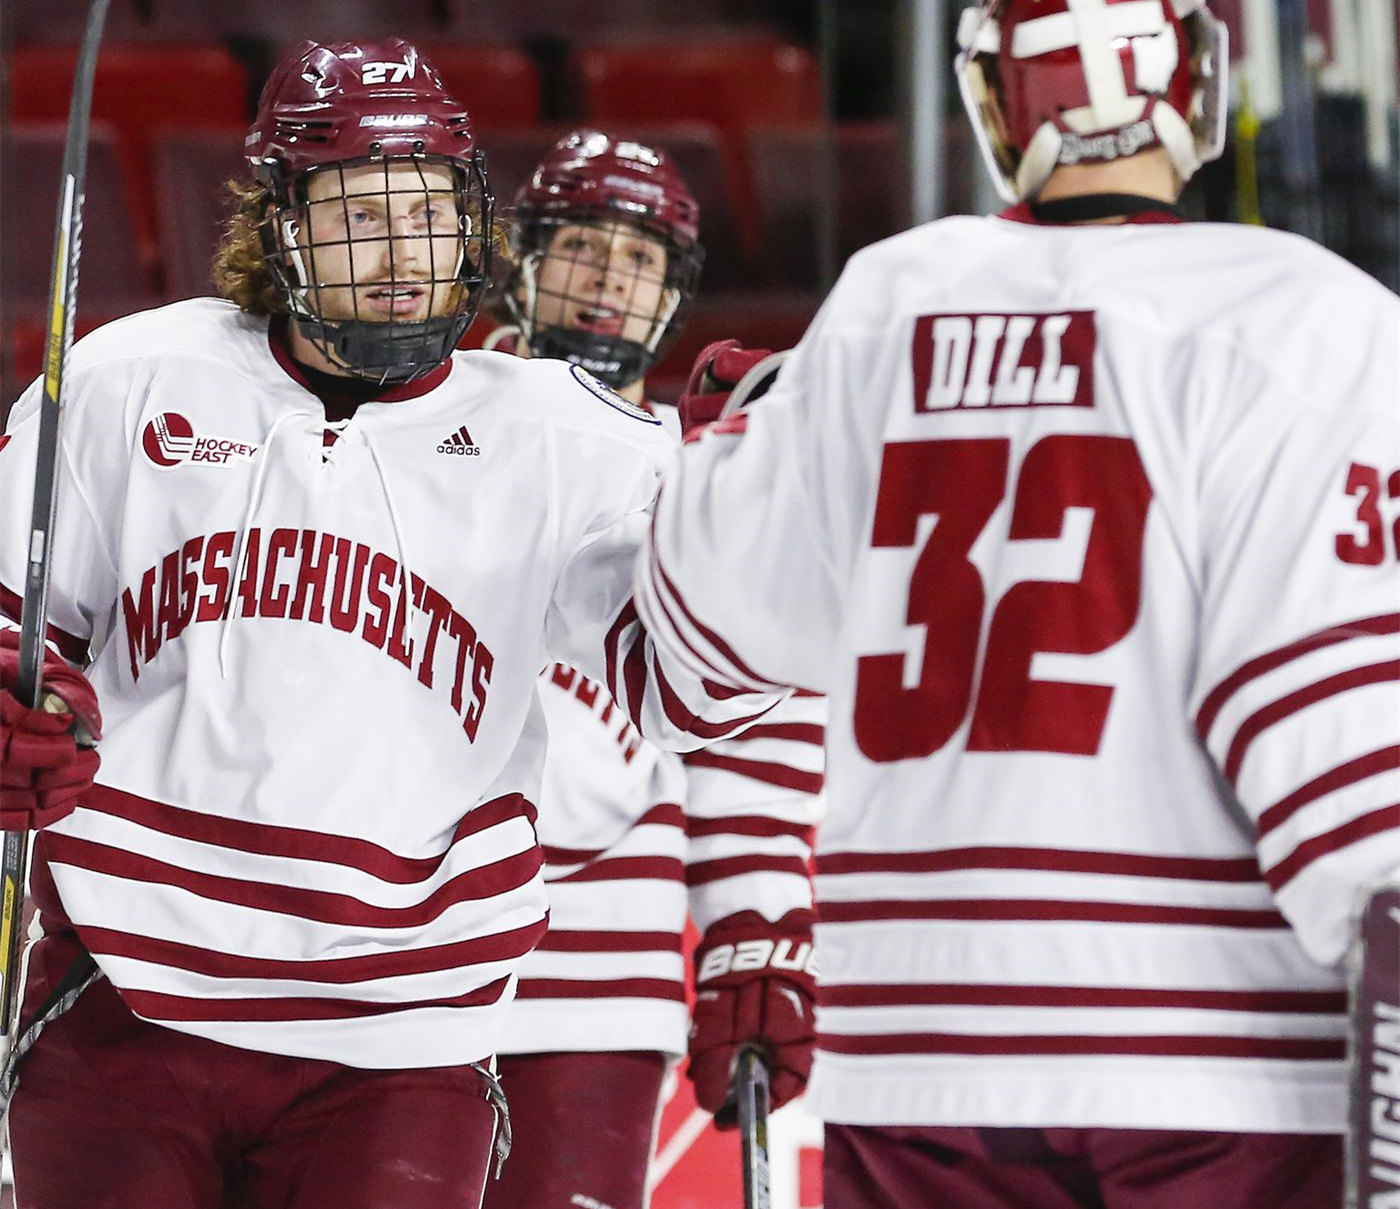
[725, 650]
[296, 843]
[601, 988]
[1364, 627]
[782, 775]
[500, 946]
[701, 873]
[158, 1005]
[896, 910]
[1387, 818]
[580, 941]
[627, 868]
[664, 814]
[1060, 860]
[1315, 1049]
[471, 885]
[1384, 760]
[799, 732]
[692, 724]
[1259, 721]
[1007, 995]
[760, 826]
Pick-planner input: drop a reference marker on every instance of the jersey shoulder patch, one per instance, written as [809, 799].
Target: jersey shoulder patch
[611, 397]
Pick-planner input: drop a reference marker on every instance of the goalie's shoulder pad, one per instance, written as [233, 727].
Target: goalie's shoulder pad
[611, 397]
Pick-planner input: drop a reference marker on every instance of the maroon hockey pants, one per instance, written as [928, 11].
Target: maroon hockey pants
[115, 1113]
[583, 1127]
[945, 1168]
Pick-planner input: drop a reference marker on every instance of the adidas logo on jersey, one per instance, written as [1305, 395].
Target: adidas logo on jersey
[459, 444]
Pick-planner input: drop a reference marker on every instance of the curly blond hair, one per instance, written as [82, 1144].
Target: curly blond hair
[240, 270]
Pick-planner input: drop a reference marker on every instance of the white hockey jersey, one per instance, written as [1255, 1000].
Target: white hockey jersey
[1089, 534]
[634, 839]
[316, 648]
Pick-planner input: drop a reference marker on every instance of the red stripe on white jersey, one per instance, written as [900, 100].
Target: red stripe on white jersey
[1013, 995]
[499, 946]
[1046, 909]
[1364, 627]
[663, 814]
[601, 988]
[1387, 818]
[579, 941]
[264, 839]
[321, 906]
[1284, 707]
[627, 868]
[758, 826]
[1302, 1049]
[157, 1005]
[1387, 759]
[702, 873]
[784, 776]
[1063, 860]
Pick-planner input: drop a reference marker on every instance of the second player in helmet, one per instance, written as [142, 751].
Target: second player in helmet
[635, 838]
[607, 258]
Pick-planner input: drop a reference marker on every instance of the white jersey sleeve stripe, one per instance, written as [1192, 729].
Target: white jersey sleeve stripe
[1285, 707]
[1354, 831]
[784, 776]
[1364, 627]
[1387, 759]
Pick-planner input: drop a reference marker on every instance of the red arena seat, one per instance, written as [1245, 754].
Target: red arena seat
[191, 167]
[138, 90]
[499, 85]
[111, 275]
[733, 85]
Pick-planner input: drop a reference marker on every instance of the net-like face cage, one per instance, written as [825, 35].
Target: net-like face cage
[383, 260]
[600, 290]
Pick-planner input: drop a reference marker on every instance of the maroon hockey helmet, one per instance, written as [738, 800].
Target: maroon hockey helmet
[596, 179]
[343, 106]
[1050, 82]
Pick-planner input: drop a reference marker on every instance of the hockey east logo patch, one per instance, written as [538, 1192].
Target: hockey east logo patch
[169, 440]
[611, 397]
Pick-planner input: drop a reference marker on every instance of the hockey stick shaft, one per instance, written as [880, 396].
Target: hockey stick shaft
[63, 291]
[751, 1095]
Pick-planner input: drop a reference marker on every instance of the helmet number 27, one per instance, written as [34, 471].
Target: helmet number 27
[963, 482]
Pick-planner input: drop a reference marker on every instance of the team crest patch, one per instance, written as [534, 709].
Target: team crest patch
[170, 440]
[611, 397]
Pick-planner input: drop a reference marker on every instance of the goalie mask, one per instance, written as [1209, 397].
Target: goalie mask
[378, 234]
[1050, 82]
[607, 256]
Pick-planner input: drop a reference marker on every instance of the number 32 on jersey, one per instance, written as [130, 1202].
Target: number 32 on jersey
[963, 482]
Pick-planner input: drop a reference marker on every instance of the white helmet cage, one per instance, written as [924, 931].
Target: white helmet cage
[1116, 122]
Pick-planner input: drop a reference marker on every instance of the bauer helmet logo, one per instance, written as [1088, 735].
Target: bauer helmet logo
[388, 73]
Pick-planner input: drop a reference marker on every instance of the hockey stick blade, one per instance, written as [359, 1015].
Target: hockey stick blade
[63, 293]
[751, 1099]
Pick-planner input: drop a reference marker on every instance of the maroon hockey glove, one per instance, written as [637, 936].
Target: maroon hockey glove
[43, 771]
[754, 984]
[713, 377]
